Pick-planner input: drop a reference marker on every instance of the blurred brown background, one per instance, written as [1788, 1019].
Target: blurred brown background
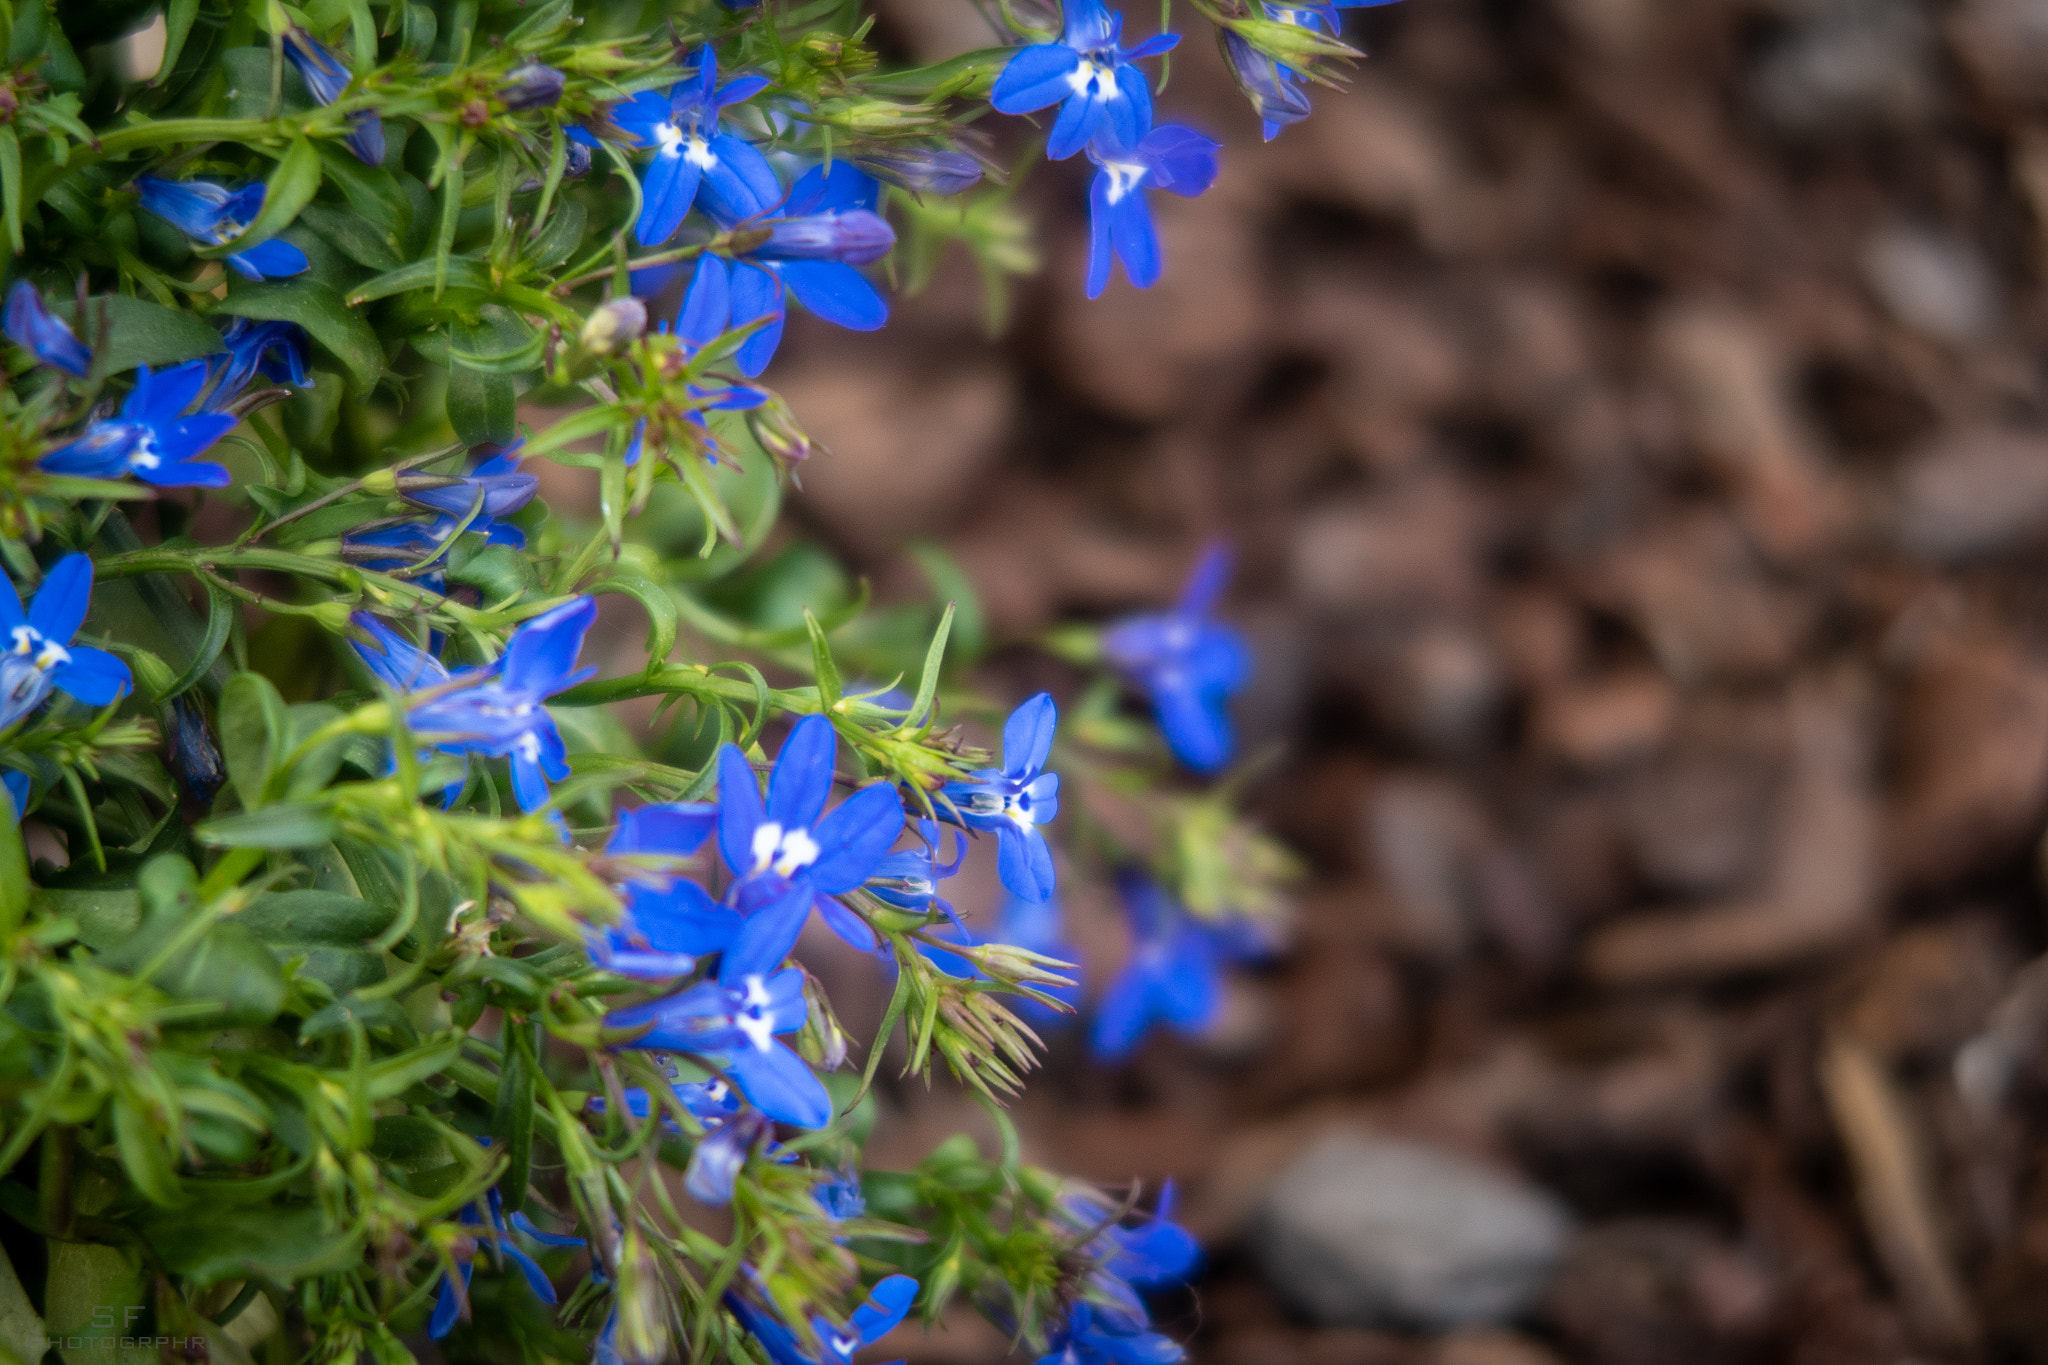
[1631, 418]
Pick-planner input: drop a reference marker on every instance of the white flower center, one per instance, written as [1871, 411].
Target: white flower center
[697, 152]
[45, 653]
[785, 850]
[1094, 78]
[754, 1019]
[1018, 809]
[144, 455]
[1124, 176]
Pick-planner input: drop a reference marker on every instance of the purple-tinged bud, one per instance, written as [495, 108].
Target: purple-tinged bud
[775, 430]
[856, 237]
[33, 327]
[922, 170]
[613, 325]
[532, 86]
[576, 164]
[195, 758]
[1275, 92]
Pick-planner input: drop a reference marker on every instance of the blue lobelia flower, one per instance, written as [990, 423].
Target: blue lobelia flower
[733, 1027]
[695, 161]
[1016, 799]
[327, 77]
[1168, 157]
[38, 653]
[1276, 92]
[1091, 1337]
[671, 923]
[1174, 976]
[910, 880]
[1188, 664]
[33, 327]
[275, 350]
[497, 480]
[1157, 1254]
[154, 438]
[839, 1195]
[1099, 92]
[785, 858]
[886, 1305]
[497, 1232]
[825, 228]
[496, 711]
[217, 215]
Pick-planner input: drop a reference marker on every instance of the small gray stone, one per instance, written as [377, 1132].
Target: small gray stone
[1937, 284]
[1362, 1230]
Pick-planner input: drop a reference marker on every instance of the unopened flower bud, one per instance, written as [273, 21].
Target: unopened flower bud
[614, 324]
[775, 428]
[532, 86]
[922, 170]
[1275, 93]
[856, 236]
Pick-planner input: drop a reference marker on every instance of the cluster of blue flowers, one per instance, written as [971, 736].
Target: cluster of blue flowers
[1277, 92]
[1109, 1324]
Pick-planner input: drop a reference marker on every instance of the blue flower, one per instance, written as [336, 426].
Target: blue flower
[152, 439]
[1015, 799]
[1158, 1254]
[1276, 90]
[327, 76]
[1099, 92]
[839, 1195]
[1188, 664]
[823, 230]
[490, 1217]
[34, 328]
[275, 350]
[497, 480]
[910, 880]
[731, 1133]
[1090, 1338]
[1168, 157]
[694, 160]
[216, 215]
[886, 1306]
[1174, 976]
[495, 711]
[785, 858]
[38, 652]
[670, 923]
[733, 1028]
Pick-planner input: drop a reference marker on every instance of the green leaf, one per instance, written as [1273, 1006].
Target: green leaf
[221, 614]
[562, 235]
[232, 966]
[396, 1075]
[320, 310]
[125, 332]
[254, 730]
[328, 929]
[464, 272]
[178, 17]
[373, 193]
[353, 235]
[10, 187]
[142, 1155]
[105, 914]
[297, 824]
[281, 1243]
[829, 686]
[513, 1113]
[482, 404]
[290, 188]
[21, 1331]
[15, 886]
[928, 684]
[659, 605]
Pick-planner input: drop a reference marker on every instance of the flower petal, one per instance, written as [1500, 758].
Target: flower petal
[802, 777]
[1036, 77]
[59, 606]
[835, 292]
[707, 307]
[740, 810]
[765, 940]
[855, 837]
[886, 1306]
[781, 1085]
[1027, 737]
[756, 293]
[540, 660]
[1196, 726]
[667, 189]
[739, 183]
[1024, 863]
[93, 676]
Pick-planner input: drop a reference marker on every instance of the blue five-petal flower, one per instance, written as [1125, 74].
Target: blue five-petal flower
[497, 710]
[1174, 975]
[36, 652]
[327, 77]
[1169, 157]
[825, 227]
[33, 327]
[886, 1305]
[733, 1027]
[669, 922]
[1188, 664]
[695, 161]
[789, 855]
[1014, 800]
[153, 438]
[216, 216]
[1099, 92]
